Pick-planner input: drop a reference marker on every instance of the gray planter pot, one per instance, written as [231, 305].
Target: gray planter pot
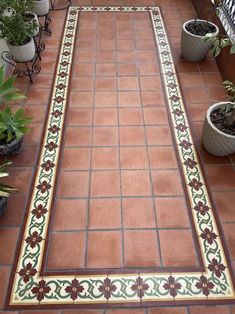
[12, 148]
[23, 53]
[3, 205]
[194, 48]
[41, 7]
[215, 141]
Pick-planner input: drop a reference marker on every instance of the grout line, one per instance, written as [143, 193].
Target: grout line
[91, 154]
[119, 145]
[158, 247]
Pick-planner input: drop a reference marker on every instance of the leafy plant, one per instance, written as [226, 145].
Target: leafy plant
[20, 6]
[5, 190]
[13, 125]
[16, 28]
[7, 91]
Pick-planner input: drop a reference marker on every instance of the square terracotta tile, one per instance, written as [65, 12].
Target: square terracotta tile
[79, 117]
[81, 99]
[195, 94]
[162, 157]
[155, 116]
[38, 96]
[78, 136]
[136, 183]
[77, 217]
[76, 158]
[153, 99]
[105, 183]
[130, 116]
[73, 184]
[141, 249]
[129, 99]
[128, 83]
[66, 250]
[82, 84]
[105, 69]
[125, 44]
[106, 99]
[131, 135]
[127, 69]
[145, 44]
[126, 56]
[105, 136]
[149, 69]
[150, 83]
[172, 212]
[85, 55]
[83, 69]
[105, 158]
[8, 240]
[146, 56]
[108, 208]
[105, 83]
[158, 135]
[105, 117]
[106, 44]
[177, 248]
[133, 158]
[86, 44]
[167, 183]
[138, 213]
[105, 56]
[104, 249]
[124, 34]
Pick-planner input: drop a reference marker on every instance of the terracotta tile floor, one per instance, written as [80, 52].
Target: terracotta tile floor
[118, 159]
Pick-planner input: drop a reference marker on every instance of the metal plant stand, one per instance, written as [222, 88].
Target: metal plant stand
[47, 22]
[53, 8]
[30, 67]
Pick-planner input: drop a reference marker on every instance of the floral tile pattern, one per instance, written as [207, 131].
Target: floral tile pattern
[30, 288]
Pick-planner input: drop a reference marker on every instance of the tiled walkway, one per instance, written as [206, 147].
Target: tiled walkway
[130, 205]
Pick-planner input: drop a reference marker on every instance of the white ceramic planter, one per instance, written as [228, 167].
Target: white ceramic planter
[41, 7]
[23, 53]
[194, 48]
[35, 18]
[215, 141]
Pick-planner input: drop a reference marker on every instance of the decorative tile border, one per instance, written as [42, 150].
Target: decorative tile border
[29, 288]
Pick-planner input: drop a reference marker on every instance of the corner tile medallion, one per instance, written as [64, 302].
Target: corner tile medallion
[29, 288]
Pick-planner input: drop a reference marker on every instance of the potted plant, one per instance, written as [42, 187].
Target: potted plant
[218, 136]
[12, 128]
[5, 190]
[41, 7]
[194, 47]
[18, 32]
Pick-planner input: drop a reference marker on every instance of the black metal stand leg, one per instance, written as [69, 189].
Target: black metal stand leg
[29, 73]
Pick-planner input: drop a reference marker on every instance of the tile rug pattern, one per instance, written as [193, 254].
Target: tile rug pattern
[29, 287]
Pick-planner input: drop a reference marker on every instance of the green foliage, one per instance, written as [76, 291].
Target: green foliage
[16, 28]
[20, 6]
[5, 190]
[230, 88]
[7, 91]
[13, 125]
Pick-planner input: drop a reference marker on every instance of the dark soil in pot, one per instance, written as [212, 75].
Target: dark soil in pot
[200, 28]
[12, 148]
[3, 205]
[220, 120]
